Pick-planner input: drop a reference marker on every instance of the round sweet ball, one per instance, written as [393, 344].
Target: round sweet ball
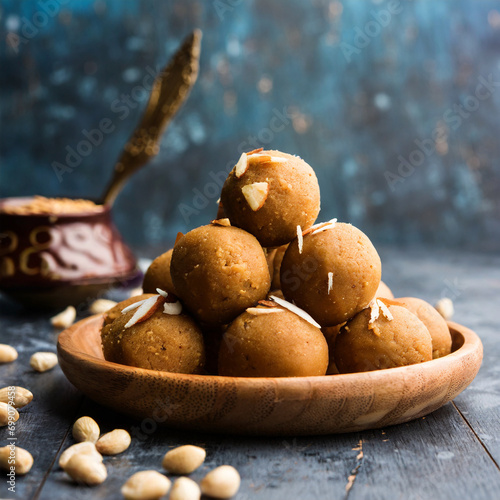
[158, 275]
[116, 311]
[272, 342]
[435, 323]
[383, 291]
[270, 193]
[398, 339]
[164, 342]
[334, 273]
[219, 271]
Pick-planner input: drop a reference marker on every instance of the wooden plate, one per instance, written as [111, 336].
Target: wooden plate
[269, 406]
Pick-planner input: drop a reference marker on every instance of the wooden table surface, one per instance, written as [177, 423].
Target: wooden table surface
[453, 453]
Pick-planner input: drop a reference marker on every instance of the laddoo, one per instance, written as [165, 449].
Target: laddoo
[218, 271]
[158, 275]
[435, 323]
[165, 342]
[272, 342]
[269, 193]
[332, 271]
[382, 336]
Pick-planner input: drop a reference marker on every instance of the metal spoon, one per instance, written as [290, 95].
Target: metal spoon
[170, 89]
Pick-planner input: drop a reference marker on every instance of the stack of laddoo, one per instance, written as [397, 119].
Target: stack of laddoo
[264, 291]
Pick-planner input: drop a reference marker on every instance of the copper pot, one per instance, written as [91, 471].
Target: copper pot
[61, 259]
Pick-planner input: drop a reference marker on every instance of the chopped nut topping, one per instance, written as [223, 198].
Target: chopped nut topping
[263, 310]
[267, 303]
[145, 310]
[256, 194]
[300, 239]
[330, 282]
[377, 306]
[255, 151]
[296, 310]
[242, 166]
[178, 237]
[221, 222]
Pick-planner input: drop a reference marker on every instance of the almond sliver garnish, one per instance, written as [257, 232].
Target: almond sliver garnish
[296, 310]
[133, 306]
[146, 310]
[385, 310]
[242, 166]
[330, 282]
[263, 310]
[256, 194]
[322, 226]
[267, 303]
[221, 222]
[178, 237]
[172, 308]
[300, 239]
[255, 151]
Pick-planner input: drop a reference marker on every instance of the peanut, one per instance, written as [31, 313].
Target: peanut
[113, 442]
[83, 448]
[184, 459]
[65, 318]
[86, 429]
[7, 353]
[43, 361]
[86, 469]
[100, 306]
[23, 460]
[221, 482]
[145, 485]
[445, 307]
[5, 411]
[185, 489]
[21, 396]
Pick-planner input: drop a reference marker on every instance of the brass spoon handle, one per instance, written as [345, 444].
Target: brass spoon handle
[170, 89]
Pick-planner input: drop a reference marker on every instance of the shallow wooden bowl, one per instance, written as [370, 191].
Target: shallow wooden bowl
[269, 406]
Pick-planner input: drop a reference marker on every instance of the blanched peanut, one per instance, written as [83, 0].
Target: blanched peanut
[86, 469]
[17, 457]
[65, 318]
[86, 429]
[43, 361]
[145, 485]
[5, 411]
[184, 459]
[17, 396]
[84, 448]
[113, 442]
[185, 489]
[222, 482]
[7, 353]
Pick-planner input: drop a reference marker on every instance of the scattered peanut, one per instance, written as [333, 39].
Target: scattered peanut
[83, 448]
[185, 489]
[184, 459]
[113, 442]
[445, 307]
[7, 353]
[145, 485]
[100, 306]
[5, 411]
[86, 429]
[86, 469]
[65, 318]
[21, 396]
[221, 482]
[43, 361]
[22, 459]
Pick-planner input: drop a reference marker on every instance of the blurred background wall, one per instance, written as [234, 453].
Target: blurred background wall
[394, 104]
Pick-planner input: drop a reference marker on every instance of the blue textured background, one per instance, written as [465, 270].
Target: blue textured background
[354, 107]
